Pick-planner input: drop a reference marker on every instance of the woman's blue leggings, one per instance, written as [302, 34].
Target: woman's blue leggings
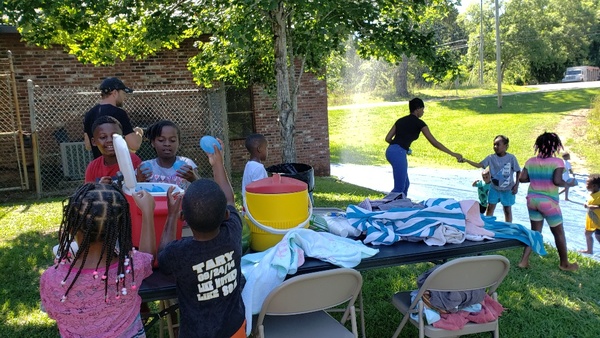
[396, 155]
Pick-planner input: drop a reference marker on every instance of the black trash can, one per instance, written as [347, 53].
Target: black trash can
[299, 171]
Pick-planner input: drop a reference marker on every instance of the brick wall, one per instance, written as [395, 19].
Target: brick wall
[54, 67]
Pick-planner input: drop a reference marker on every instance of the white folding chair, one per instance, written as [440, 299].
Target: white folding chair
[461, 274]
[297, 307]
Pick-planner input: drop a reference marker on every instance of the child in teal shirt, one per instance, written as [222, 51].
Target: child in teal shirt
[483, 189]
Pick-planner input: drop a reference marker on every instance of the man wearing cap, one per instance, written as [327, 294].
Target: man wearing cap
[113, 93]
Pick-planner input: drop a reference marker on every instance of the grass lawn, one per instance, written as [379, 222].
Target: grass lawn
[541, 301]
[557, 302]
[433, 92]
[467, 126]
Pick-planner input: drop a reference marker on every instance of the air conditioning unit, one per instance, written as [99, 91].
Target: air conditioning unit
[75, 159]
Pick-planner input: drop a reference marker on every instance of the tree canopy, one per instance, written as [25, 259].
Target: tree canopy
[539, 38]
[242, 42]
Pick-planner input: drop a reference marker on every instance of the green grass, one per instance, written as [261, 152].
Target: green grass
[541, 301]
[28, 235]
[467, 126]
[588, 146]
[433, 92]
[467, 91]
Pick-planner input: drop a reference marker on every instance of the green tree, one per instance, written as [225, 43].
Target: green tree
[539, 38]
[270, 42]
[470, 21]
[549, 34]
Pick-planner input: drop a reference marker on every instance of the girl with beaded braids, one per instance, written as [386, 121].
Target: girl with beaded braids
[544, 174]
[93, 292]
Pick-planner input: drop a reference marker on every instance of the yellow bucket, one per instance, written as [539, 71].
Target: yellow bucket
[275, 205]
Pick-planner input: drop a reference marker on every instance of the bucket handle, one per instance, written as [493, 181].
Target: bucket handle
[278, 231]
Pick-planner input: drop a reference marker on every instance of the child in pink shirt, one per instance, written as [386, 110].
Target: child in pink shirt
[93, 292]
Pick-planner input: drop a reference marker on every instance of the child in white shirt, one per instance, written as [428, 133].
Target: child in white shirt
[567, 174]
[255, 169]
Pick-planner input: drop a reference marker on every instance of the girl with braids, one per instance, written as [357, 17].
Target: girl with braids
[167, 167]
[93, 292]
[544, 174]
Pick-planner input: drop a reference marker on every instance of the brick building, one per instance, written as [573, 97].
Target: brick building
[54, 67]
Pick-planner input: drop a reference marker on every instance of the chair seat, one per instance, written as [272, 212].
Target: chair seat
[402, 301]
[315, 325]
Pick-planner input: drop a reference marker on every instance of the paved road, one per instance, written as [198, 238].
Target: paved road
[562, 86]
[456, 183]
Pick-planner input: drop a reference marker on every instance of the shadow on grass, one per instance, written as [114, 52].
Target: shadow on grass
[21, 261]
[519, 103]
[540, 299]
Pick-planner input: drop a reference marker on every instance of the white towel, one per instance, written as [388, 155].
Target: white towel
[264, 271]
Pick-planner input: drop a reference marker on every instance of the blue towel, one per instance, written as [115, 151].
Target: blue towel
[516, 231]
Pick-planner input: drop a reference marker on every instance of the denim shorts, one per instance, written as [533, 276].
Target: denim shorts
[505, 197]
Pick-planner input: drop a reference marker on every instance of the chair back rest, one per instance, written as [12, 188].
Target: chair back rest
[313, 292]
[468, 273]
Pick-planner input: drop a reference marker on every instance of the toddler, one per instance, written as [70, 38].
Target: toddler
[544, 172]
[167, 167]
[592, 219]
[483, 189]
[503, 168]
[567, 174]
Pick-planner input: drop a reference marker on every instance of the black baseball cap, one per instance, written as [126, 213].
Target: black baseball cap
[112, 83]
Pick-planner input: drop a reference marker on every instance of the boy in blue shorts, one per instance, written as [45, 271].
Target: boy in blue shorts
[503, 168]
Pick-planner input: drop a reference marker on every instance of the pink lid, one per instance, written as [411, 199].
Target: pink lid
[276, 184]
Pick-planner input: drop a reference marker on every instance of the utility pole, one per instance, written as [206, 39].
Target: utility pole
[498, 62]
[481, 43]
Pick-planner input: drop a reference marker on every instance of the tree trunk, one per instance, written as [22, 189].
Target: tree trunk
[402, 78]
[287, 113]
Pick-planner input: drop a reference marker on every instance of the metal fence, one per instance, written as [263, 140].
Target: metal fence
[57, 119]
[13, 173]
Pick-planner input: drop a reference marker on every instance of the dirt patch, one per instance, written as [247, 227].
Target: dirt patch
[572, 127]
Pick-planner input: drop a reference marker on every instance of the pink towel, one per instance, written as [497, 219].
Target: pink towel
[474, 223]
[490, 311]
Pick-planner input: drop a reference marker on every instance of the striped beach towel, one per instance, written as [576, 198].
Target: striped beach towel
[390, 226]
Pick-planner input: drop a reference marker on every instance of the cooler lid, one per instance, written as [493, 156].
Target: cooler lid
[124, 160]
[276, 184]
